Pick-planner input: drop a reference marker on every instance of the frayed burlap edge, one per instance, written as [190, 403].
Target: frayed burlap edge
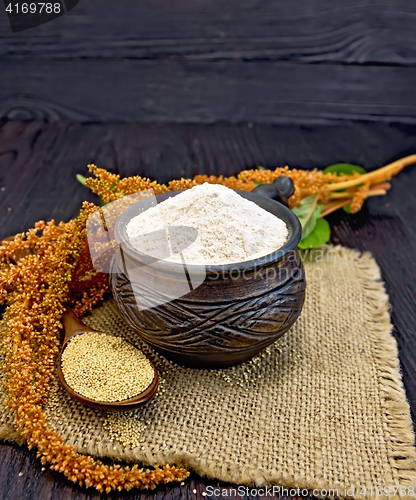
[10, 434]
[396, 414]
[398, 433]
[396, 410]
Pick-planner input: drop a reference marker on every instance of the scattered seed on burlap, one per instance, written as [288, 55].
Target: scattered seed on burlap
[105, 368]
[124, 427]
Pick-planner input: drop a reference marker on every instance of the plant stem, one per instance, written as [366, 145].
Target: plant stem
[332, 207]
[335, 196]
[377, 187]
[393, 168]
[376, 192]
[339, 203]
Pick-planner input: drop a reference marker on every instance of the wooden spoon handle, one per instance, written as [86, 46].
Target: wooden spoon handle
[73, 324]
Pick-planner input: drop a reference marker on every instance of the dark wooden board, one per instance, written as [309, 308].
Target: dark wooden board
[204, 92]
[209, 61]
[38, 484]
[38, 163]
[335, 31]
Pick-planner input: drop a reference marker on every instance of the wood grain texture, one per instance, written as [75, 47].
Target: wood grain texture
[206, 61]
[38, 163]
[334, 31]
[205, 92]
[35, 484]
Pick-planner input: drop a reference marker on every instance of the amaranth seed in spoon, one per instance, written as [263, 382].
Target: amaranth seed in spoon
[105, 368]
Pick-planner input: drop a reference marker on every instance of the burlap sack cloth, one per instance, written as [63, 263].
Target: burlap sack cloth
[323, 408]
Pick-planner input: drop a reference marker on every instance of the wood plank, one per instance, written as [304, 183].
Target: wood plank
[355, 32]
[35, 484]
[32, 155]
[205, 92]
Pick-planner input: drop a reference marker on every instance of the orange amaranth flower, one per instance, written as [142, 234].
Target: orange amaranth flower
[56, 270]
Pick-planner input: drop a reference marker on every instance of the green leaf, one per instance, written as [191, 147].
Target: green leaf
[318, 237]
[80, 178]
[308, 213]
[343, 169]
[347, 208]
[260, 168]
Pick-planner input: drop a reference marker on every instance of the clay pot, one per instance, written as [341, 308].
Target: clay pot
[236, 311]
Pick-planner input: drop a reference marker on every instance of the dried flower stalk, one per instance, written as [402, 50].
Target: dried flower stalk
[57, 270]
[358, 187]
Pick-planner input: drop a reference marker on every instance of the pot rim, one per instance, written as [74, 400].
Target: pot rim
[291, 220]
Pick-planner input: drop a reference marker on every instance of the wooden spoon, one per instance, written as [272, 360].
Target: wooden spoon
[74, 326]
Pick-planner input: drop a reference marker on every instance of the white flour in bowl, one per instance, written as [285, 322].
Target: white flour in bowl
[229, 228]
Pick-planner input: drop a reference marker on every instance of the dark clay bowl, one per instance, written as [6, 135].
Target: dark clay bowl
[237, 311]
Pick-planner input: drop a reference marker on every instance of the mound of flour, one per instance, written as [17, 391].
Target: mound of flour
[229, 228]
